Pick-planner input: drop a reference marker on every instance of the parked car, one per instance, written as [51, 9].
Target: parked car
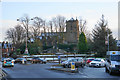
[97, 63]
[20, 60]
[78, 62]
[7, 62]
[38, 60]
[12, 59]
[8, 58]
[89, 60]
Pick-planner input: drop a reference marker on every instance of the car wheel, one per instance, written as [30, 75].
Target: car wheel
[69, 66]
[106, 70]
[66, 65]
[3, 66]
[89, 65]
[63, 66]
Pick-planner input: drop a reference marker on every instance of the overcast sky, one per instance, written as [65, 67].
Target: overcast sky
[90, 11]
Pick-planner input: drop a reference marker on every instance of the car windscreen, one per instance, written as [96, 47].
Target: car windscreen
[74, 60]
[97, 60]
[91, 59]
[7, 60]
[115, 57]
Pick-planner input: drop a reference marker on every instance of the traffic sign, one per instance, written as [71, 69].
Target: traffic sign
[58, 57]
[72, 65]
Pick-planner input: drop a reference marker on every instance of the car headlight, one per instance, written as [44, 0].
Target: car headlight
[112, 65]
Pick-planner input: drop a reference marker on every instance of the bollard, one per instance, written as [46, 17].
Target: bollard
[23, 61]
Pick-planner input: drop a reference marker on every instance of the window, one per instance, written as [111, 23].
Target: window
[115, 57]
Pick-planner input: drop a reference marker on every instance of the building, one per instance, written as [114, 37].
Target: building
[6, 48]
[70, 36]
[72, 31]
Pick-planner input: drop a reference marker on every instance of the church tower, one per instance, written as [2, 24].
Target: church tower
[72, 31]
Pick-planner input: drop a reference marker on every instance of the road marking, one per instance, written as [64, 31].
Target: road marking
[3, 74]
[85, 76]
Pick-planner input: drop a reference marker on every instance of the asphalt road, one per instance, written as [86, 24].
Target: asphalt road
[41, 71]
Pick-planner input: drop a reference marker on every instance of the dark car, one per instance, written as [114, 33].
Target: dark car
[20, 60]
[89, 60]
[38, 60]
[79, 62]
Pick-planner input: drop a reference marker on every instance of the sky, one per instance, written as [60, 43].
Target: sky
[89, 10]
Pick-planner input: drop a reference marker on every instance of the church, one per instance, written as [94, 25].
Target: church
[70, 36]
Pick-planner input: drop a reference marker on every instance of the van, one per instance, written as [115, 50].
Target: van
[112, 62]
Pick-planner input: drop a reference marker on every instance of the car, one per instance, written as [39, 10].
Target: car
[12, 59]
[89, 60]
[8, 58]
[38, 60]
[78, 62]
[20, 60]
[97, 63]
[7, 62]
[112, 62]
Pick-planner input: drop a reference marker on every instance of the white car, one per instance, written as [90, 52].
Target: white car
[97, 63]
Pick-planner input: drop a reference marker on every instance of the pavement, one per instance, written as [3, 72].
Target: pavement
[42, 71]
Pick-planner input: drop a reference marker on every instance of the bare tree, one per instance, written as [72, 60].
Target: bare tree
[25, 20]
[54, 20]
[11, 35]
[37, 25]
[16, 34]
[61, 23]
[51, 26]
[20, 34]
[82, 25]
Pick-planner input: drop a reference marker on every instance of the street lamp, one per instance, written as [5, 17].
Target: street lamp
[26, 26]
[108, 39]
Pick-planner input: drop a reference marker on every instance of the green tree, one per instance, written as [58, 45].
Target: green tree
[100, 36]
[35, 47]
[82, 44]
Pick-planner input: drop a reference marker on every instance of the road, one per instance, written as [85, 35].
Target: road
[41, 71]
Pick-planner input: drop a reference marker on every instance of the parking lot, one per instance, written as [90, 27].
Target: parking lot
[42, 71]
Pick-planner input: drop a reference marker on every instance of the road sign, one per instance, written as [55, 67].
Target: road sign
[72, 65]
[58, 57]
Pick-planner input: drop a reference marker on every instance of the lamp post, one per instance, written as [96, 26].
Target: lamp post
[108, 38]
[25, 24]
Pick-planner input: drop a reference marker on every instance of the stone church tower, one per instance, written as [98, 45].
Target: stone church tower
[72, 31]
